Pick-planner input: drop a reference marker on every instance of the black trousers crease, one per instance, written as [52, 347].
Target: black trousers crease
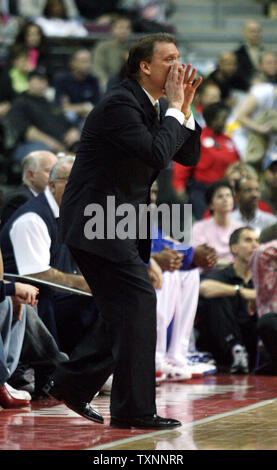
[122, 340]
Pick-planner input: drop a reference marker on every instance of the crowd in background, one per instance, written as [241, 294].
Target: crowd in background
[217, 304]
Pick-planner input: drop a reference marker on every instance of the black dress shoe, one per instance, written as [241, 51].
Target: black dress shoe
[145, 422]
[81, 407]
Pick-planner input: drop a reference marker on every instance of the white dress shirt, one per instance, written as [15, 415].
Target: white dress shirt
[173, 112]
[31, 241]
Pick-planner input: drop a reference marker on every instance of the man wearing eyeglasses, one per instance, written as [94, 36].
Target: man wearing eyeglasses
[30, 247]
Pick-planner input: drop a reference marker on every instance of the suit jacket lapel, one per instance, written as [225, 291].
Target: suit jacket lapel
[144, 101]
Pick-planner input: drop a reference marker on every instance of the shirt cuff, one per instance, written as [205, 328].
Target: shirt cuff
[190, 122]
[173, 112]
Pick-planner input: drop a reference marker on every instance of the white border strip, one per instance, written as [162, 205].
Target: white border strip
[193, 423]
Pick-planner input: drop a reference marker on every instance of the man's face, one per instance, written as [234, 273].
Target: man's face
[57, 187]
[248, 242]
[122, 30]
[269, 64]
[210, 95]
[252, 33]
[249, 194]
[39, 179]
[164, 56]
[228, 64]
[81, 62]
[38, 86]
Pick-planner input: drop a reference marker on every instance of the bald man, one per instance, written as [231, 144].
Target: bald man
[36, 167]
[248, 54]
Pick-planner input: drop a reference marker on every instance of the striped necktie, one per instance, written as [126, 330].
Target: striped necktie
[157, 108]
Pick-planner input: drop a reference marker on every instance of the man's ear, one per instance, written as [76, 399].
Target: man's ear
[145, 67]
[51, 185]
[234, 249]
[29, 174]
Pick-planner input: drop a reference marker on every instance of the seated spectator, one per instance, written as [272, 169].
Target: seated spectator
[269, 185]
[257, 117]
[14, 79]
[33, 123]
[38, 357]
[36, 167]
[30, 246]
[207, 93]
[263, 268]
[31, 36]
[77, 91]
[55, 20]
[176, 281]
[267, 69]
[225, 76]
[249, 52]
[234, 173]
[226, 320]
[35, 8]
[110, 55]
[217, 153]
[248, 195]
[216, 230]
[12, 329]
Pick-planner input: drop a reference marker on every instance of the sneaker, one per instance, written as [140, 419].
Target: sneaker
[240, 360]
[201, 369]
[175, 373]
[160, 376]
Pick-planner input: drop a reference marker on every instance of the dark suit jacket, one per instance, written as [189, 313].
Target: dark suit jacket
[123, 147]
[16, 198]
[246, 69]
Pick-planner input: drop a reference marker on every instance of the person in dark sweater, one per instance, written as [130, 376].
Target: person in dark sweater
[33, 123]
[77, 91]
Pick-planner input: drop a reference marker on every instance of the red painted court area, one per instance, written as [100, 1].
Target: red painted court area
[200, 404]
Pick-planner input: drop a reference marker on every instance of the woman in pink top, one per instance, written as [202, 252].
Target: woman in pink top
[32, 37]
[216, 230]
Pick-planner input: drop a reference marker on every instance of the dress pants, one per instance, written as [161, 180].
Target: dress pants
[122, 341]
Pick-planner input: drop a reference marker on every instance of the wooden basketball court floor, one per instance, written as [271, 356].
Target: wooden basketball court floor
[218, 412]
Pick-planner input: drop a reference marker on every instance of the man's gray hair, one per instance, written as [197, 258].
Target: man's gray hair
[54, 173]
[31, 161]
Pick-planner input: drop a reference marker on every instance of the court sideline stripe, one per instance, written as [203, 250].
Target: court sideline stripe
[193, 423]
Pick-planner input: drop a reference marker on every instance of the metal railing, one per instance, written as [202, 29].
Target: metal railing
[52, 285]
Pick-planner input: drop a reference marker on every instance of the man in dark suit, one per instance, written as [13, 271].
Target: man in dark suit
[248, 54]
[123, 147]
[36, 167]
